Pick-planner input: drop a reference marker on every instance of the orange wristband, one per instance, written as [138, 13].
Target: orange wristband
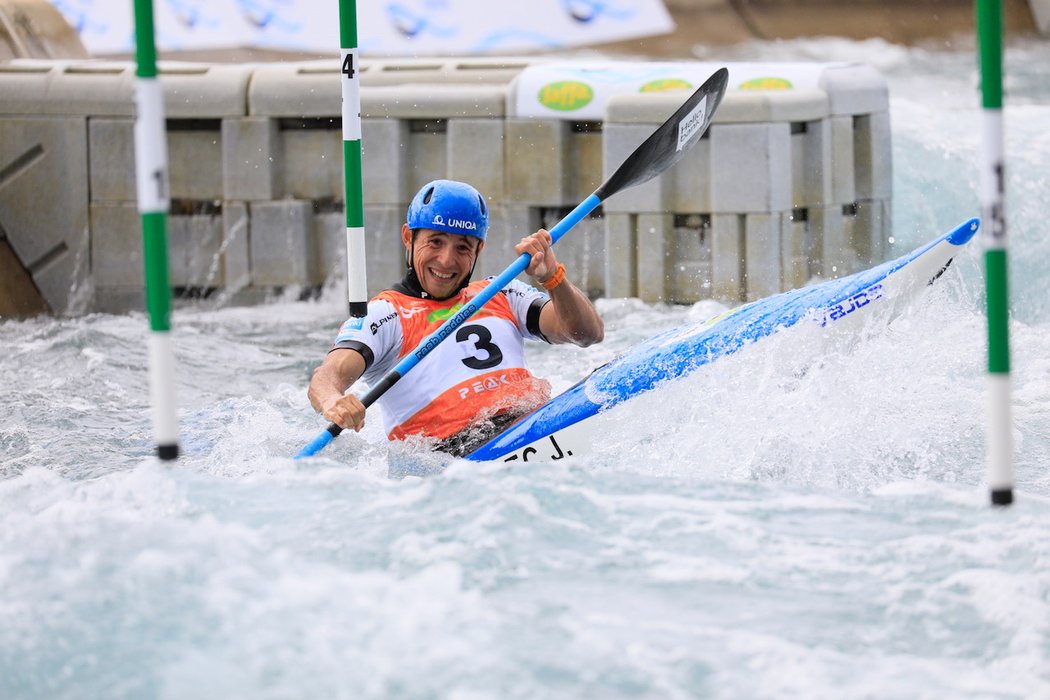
[557, 278]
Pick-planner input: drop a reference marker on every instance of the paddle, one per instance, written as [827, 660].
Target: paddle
[661, 150]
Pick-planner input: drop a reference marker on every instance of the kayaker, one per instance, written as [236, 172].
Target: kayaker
[476, 382]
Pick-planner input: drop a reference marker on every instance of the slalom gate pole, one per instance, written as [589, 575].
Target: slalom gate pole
[993, 186]
[151, 179]
[356, 281]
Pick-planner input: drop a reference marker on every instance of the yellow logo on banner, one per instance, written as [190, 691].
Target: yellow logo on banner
[766, 84]
[666, 84]
[566, 95]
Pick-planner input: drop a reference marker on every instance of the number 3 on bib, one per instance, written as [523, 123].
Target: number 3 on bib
[481, 338]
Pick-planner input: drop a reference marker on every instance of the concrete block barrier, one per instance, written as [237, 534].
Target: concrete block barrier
[252, 169]
[537, 167]
[754, 162]
[282, 245]
[44, 203]
[621, 255]
[793, 180]
[779, 148]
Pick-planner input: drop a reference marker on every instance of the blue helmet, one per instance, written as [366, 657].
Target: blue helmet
[449, 206]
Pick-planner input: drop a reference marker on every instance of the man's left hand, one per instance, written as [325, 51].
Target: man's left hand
[543, 264]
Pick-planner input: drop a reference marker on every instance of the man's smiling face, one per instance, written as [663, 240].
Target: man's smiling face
[442, 260]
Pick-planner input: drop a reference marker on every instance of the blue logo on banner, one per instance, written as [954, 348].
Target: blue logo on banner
[585, 11]
[79, 14]
[193, 14]
[274, 15]
[412, 24]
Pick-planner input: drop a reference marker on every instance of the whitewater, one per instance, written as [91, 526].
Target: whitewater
[806, 518]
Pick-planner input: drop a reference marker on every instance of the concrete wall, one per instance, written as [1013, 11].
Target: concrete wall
[788, 184]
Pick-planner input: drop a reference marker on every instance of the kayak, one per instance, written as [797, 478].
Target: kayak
[570, 423]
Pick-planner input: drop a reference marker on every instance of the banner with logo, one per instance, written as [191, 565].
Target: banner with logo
[578, 90]
[385, 27]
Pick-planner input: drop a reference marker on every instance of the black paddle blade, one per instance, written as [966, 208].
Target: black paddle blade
[671, 140]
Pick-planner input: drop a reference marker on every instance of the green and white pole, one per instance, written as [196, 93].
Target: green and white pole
[151, 176]
[356, 283]
[993, 186]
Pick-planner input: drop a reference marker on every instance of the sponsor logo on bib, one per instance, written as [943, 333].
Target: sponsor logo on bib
[483, 385]
[444, 314]
[376, 325]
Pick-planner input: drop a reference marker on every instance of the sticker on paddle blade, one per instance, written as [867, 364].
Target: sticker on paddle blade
[692, 123]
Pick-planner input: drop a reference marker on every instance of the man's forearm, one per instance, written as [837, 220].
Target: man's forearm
[579, 320]
[325, 385]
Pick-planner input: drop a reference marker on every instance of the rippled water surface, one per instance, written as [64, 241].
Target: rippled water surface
[805, 519]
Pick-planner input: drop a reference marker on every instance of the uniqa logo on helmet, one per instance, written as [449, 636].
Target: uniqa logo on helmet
[466, 225]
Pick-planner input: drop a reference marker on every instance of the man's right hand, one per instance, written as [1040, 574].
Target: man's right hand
[345, 411]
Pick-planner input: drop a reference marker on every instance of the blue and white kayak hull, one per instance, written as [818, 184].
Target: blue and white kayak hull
[569, 423]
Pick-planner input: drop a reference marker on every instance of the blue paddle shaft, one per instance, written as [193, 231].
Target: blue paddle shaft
[316, 445]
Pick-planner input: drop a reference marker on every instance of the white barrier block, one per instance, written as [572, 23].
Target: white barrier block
[843, 167]
[236, 256]
[116, 245]
[655, 238]
[762, 245]
[282, 246]
[194, 248]
[468, 70]
[760, 106]
[311, 161]
[869, 231]
[536, 161]
[384, 161]
[621, 256]
[811, 164]
[427, 152]
[330, 247]
[873, 149]
[411, 101]
[96, 88]
[823, 163]
[854, 88]
[195, 162]
[474, 149]
[251, 168]
[753, 162]
[691, 178]
[690, 260]
[304, 90]
[111, 167]
[727, 257]
[796, 253]
[831, 244]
